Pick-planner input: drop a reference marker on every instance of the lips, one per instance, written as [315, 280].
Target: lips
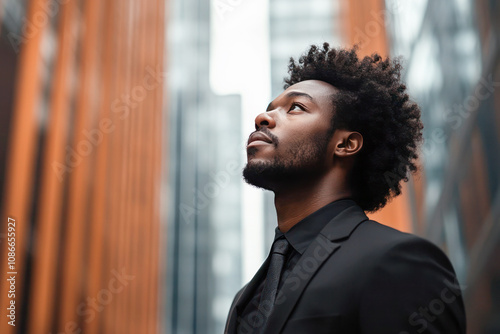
[259, 137]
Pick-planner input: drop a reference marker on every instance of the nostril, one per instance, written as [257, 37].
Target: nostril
[263, 119]
[261, 123]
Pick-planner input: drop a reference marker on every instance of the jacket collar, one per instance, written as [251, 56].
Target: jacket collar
[326, 243]
[304, 232]
[344, 224]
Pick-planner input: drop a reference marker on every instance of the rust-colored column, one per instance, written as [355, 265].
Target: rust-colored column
[135, 162]
[109, 100]
[146, 112]
[152, 141]
[155, 311]
[114, 191]
[419, 185]
[76, 238]
[99, 272]
[397, 213]
[53, 176]
[20, 164]
[365, 25]
[122, 146]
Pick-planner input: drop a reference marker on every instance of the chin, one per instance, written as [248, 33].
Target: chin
[257, 173]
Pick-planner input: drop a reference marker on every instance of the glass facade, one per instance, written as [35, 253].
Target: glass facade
[452, 70]
[204, 191]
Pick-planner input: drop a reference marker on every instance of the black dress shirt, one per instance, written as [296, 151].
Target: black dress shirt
[300, 237]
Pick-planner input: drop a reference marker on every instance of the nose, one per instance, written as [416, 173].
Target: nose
[264, 119]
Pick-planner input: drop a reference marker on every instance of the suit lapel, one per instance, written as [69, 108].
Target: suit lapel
[244, 296]
[325, 244]
[312, 259]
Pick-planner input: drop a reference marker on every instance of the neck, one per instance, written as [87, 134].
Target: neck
[300, 200]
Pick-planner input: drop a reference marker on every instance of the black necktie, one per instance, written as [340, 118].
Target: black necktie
[278, 256]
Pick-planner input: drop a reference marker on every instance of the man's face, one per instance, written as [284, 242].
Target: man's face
[291, 141]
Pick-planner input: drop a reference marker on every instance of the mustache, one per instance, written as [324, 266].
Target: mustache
[269, 134]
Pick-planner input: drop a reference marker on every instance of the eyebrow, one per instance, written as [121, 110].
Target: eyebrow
[292, 94]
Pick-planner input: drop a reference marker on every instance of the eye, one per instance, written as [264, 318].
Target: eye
[296, 107]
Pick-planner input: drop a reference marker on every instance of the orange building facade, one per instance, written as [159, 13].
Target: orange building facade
[81, 123]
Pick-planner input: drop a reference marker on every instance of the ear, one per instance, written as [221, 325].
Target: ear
[347, 143]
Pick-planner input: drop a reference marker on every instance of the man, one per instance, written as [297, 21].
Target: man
[336, 143]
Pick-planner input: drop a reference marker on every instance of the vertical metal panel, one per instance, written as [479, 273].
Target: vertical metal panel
[154, 309]
[418, 202]
[76, 239]
[145, 113]
[366, 26]
[114, 190]
[134, 162]
[111, 205]
[121, 224]
[126, 141]
[21, 159]
[98, 269]
[46, 248]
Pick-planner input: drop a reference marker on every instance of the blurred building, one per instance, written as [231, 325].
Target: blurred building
[80, 147]
[204, 245]
[451, 51]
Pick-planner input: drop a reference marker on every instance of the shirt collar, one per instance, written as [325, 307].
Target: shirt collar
[304, 232]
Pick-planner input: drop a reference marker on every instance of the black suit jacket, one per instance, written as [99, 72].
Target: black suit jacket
[359, 276]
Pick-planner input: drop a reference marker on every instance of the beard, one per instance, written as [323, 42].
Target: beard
[299, 163]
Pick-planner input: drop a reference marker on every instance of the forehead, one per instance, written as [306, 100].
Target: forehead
[318, 90]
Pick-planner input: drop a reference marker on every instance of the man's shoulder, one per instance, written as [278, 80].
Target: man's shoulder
[376, 240]
[362, 238]
[376, 255]
[377, 234]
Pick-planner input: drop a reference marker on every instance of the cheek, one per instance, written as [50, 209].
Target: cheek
[302, 131]
[295, 146]
[302, 138]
